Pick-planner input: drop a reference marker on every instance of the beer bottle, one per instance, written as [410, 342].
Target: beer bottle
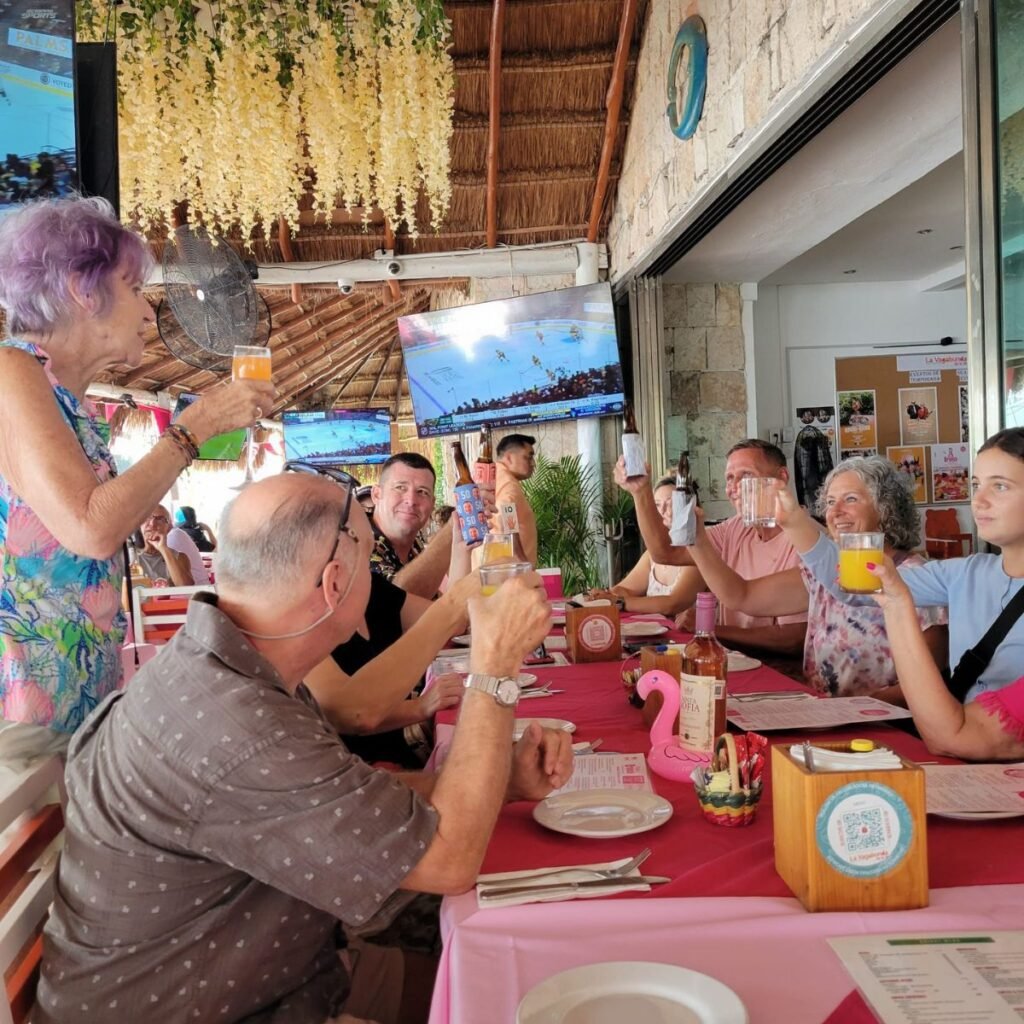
[702, 706]
[484, 470]
[633, 451]
[469, 506]
[683, 481]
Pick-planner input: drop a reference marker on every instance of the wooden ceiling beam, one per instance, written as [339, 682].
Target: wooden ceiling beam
[494, 121]
[398, 384]
[611, 127]
[285, 241]
[383, 367]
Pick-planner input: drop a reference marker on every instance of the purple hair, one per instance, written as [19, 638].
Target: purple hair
[50, 242]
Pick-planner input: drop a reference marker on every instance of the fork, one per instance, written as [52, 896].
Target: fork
[619, 872]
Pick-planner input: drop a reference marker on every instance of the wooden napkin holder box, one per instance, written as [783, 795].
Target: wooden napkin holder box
[593, 633]
[850, 840]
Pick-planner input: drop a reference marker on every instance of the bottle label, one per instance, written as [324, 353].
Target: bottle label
[485, 474]
[634, 454]
[697, 713]
[469, 507]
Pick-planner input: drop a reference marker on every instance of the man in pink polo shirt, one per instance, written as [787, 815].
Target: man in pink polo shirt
[751, 551]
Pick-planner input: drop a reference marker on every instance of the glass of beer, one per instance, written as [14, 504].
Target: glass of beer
[492, 576]
[498, 548]
[250, 362]
[855, 551]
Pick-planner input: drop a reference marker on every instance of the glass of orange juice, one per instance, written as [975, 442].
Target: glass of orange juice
[498, 548]
[250, 362]
[492, 576]
[855, 551]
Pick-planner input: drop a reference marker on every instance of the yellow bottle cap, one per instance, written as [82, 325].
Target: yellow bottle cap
[862, 746]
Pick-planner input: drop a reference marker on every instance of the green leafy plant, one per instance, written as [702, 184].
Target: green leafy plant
[561, 494]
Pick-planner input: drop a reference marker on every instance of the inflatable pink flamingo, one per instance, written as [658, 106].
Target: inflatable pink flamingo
[666, 757]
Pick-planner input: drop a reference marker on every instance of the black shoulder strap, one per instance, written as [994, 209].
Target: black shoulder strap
[975, 660]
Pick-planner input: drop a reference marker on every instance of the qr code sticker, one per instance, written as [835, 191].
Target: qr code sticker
[863, 830]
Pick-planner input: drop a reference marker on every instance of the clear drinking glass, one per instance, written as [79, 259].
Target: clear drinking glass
[855, 551]
[492, 576]
[757, 500]
[250, 362]
[498, 547]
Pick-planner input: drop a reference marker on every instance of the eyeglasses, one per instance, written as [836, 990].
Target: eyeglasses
[343, 479]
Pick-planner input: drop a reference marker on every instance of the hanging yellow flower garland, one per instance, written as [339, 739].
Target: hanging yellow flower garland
[240, 106]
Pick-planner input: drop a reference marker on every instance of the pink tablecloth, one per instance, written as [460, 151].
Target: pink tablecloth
[768, 950]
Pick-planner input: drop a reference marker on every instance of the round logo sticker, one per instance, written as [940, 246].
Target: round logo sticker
[864, 829]
[597, 633]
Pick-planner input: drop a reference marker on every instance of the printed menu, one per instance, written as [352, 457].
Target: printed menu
[609, 771]
[963, 788]
[969, 978]
[775, 713]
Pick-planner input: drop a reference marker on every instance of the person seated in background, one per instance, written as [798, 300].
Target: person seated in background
[649, 586]
[199, 533]
[751, 551]
[220, 816]
[515, 461]
[157, 559]
[990, 728]
[178, 540]
[847, 652]
[403, 501]
[440, 516]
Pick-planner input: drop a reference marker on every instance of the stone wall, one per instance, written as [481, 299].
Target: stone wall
[707, 391]
[760, 53]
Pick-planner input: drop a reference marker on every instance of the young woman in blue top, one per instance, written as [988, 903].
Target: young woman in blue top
[71, 281]
[976, 588]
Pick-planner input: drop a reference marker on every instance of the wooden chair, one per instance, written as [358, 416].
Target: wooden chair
[943, 537]
[28, 860]
[159, 612]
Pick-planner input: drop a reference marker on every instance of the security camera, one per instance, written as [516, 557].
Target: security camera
[346, 285]
[394, 268]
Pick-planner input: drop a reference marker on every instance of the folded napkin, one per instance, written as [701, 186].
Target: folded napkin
[571, 873]
[581, 599]
[825, 760]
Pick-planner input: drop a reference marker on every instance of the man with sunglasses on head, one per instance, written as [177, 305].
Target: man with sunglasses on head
[218, 831]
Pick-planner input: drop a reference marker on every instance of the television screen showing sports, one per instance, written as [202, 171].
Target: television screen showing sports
[338, 437]
[513, 362]
[226, 447]
[37, 101]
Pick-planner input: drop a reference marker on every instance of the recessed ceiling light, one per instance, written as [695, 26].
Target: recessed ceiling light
[925, 231]
[849, 271]
[955, 248]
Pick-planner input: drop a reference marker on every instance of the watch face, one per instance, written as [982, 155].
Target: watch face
[507, 693]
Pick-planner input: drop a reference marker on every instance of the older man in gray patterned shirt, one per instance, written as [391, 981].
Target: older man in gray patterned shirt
[218, 830]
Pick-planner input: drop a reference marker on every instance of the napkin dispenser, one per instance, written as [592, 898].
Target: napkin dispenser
[593, 633]
[850, 840]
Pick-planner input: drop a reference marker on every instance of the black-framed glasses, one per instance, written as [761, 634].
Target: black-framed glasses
[343, 479]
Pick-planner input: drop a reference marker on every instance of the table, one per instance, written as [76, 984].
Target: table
[726, 912]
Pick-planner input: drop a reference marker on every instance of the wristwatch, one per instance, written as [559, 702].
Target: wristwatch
[504, 689]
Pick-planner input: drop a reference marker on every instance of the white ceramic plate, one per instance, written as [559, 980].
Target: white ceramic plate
[547, 723]
[742, 662]
[977, 815]
[634, 629]
[463, 640]
[641, 993]
[603, 813]
[525, 679]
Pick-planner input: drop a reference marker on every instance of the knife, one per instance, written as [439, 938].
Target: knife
[487, 893]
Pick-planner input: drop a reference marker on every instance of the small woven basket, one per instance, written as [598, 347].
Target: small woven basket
[735, 807]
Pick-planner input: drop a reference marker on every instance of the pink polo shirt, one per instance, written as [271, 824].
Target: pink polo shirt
[745, 553]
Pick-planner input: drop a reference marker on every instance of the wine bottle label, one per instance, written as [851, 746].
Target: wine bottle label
[469, 507]
[635, 455]
[485, 473]
[697, 713]
[683, 531]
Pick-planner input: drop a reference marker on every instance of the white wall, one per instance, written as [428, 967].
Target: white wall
[800, 330]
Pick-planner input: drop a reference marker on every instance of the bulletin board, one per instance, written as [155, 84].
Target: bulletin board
[940, 436]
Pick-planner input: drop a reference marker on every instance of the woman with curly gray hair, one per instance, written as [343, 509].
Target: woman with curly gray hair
[846, 651]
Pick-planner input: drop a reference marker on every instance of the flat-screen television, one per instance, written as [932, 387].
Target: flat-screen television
[226, 447]
[549, 356]
[338, 437]
[37, 101]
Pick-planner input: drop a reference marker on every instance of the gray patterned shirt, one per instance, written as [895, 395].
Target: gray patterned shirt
[217, 830]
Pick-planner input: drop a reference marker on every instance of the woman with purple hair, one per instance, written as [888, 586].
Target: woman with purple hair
[71, 279]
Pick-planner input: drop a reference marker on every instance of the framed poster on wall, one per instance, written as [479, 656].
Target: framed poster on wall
[951, 473]
[856, 421]
[909, 460]
[919, 415]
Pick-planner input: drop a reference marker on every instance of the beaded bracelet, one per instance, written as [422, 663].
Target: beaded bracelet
[184, 445]
[189, 436]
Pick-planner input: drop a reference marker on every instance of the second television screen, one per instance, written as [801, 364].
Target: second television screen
[338, 437]
[547, 356]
